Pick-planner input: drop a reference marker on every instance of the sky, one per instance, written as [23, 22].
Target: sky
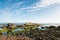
[36, 11]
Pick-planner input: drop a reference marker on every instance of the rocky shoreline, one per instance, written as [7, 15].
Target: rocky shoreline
[12, 37]
[29, 32]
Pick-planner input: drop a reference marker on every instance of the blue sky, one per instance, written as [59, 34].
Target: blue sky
[36, 11]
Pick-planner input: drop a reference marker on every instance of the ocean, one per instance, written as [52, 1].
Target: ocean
[42, 24]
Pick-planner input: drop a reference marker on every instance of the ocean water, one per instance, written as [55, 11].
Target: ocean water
[47, 24]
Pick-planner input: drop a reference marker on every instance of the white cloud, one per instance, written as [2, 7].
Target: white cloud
[34, 7]
[37, 6]
[43, 3]
[16, 5]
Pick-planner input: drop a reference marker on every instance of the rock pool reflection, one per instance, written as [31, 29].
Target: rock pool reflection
[18, 29]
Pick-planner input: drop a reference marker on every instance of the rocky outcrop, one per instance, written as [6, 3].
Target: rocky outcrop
[12, 37]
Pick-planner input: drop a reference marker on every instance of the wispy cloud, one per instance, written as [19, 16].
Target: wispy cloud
[41, 4]
[17, 10]
[36, 6]
[45, 3]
